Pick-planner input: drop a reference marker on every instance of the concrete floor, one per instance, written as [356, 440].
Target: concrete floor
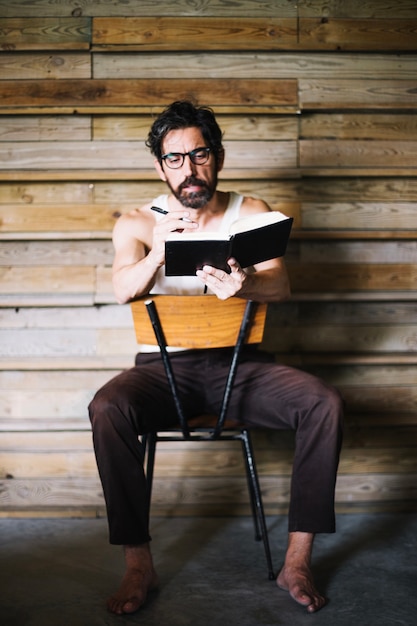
[58, 572]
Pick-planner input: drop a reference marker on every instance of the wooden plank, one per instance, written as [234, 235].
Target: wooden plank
[249, 8]
[50, 492]
[26, 193]
[343, 339]
[203, 496]
[87, 317]
[356, 488]
[61, 252]
[372, 252]
[275, 192]
[81, 342]
[286, 314]
[358, 9]
[342, 94]
[31, 405]
[380, 400]
[310, 360]
[194, 33]
[370, 375]
[356, 436]
[30, 280]
[329, 33]
[327, 281]
[81, 463]
[390, 341]
[357, 153]
[361, 216]
[392, 280]
[392, 419]
[132, 175]
[344, 333]
[352, 172]
[45, 33]
[44, 442]
[340, 277]
[395, 421]
[268, 446]
[54, 464]
[23, 65]
[63, 156]
[380, 126]
[73, 155]
[358, 190]
[339, 313]
[45, 128]
[234, 127]
[46, 219]
[102, 95]
[44, 363]
[292, 65]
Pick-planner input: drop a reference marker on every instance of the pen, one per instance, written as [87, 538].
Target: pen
[158, 209]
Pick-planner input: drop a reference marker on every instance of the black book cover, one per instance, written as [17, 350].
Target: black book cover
[185, 255]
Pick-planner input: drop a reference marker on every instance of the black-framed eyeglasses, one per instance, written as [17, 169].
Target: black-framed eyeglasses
[175, 160]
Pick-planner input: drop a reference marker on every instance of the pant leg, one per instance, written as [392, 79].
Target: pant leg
[134, 402]
[274, 396]
[264, 395]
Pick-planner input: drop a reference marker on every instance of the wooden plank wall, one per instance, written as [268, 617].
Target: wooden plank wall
[318, 101]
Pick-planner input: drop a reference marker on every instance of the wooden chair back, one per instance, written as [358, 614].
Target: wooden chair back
[194, 322]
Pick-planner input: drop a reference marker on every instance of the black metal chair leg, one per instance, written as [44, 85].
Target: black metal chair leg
[253, 477]
[258, 533]
[149, 447]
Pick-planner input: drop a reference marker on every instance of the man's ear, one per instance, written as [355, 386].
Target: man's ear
[160, 170]
[220, 159]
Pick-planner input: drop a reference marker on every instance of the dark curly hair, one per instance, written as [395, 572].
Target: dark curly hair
[185, 114]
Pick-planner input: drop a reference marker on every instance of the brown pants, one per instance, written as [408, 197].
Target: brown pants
[265, 394]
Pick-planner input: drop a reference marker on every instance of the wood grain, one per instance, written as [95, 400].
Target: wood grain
[235, 94]
[46, 33]
[317, 101]
[195, 33]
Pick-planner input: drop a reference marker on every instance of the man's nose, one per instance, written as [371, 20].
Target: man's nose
[188, 166]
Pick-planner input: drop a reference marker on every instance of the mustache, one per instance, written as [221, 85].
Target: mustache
[192, 180]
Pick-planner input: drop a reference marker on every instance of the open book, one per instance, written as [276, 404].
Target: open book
[252, 239]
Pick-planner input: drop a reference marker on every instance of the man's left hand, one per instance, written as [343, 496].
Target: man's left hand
[222, 284]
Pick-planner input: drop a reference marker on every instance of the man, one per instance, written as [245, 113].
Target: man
[186, 143]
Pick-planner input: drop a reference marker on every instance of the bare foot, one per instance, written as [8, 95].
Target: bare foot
[139, 579]
[299, 583]
[296, 577]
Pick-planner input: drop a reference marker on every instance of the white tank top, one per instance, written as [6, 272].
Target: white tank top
[191, 285]
[187, 285]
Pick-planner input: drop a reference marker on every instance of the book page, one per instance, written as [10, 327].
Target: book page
[198, 236]
[256, 220]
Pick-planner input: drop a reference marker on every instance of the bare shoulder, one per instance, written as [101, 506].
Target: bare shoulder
[136, 224]
[253, 205]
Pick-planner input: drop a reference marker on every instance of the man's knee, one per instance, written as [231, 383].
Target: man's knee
[100, 407]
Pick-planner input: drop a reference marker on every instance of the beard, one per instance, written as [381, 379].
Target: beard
[195, 200]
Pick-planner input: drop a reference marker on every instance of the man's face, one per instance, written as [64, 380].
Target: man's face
[192, 185]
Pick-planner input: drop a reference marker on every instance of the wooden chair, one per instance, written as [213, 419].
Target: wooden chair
[195, 322]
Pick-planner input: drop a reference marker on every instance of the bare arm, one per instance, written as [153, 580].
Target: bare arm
[139, 245]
